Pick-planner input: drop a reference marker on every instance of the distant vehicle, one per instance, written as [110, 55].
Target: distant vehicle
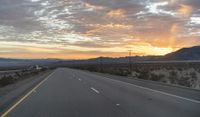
[35, 67]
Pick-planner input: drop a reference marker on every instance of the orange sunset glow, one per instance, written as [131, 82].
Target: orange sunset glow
[81, 29]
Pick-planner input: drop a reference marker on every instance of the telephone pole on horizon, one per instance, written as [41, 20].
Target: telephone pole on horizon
[101, 64]
[130, 60]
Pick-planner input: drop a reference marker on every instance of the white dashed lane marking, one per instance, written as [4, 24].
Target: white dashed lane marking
[80, 79]
[95, 90]
[117, 104]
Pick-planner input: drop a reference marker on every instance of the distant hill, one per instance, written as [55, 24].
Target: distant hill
[10, 62]
[192, 53]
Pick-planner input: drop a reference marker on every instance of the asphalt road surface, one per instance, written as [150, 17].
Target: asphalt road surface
[75, 93]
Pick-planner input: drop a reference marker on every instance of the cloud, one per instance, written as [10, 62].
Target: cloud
[100, 25]
[118, 13]
[185, 10]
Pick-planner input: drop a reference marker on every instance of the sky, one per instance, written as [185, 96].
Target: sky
[79, 29]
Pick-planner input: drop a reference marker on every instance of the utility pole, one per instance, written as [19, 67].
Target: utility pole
[130, 60]
[101, 64]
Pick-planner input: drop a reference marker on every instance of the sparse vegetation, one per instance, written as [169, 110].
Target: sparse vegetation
[184, 74]
[173, 77]
[156, 77]
[12, 77]
[6, 80]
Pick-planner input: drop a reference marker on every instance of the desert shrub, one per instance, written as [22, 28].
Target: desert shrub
[6, 80]
[117, 71]
[122, 72]
[92, 68]
[198, 70]
[180, 69]
[164, 81]
[144, 75]
[184, 81]
[18, 74]
[173, 77]
[193, 76]
[156, 77]
[137, 70]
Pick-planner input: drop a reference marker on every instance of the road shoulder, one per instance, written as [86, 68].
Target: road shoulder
[11, 93]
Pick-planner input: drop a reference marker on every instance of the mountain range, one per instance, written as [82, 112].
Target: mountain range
[192, 53]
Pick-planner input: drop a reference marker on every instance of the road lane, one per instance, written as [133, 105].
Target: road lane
[65, 96]
[74, 93]
[137, 101]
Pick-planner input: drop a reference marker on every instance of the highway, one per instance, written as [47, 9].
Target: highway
[74, 93]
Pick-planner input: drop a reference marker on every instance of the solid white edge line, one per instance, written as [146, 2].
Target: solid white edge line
[25, 96]
[168, 94]
[95, 90]
[164, 93]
